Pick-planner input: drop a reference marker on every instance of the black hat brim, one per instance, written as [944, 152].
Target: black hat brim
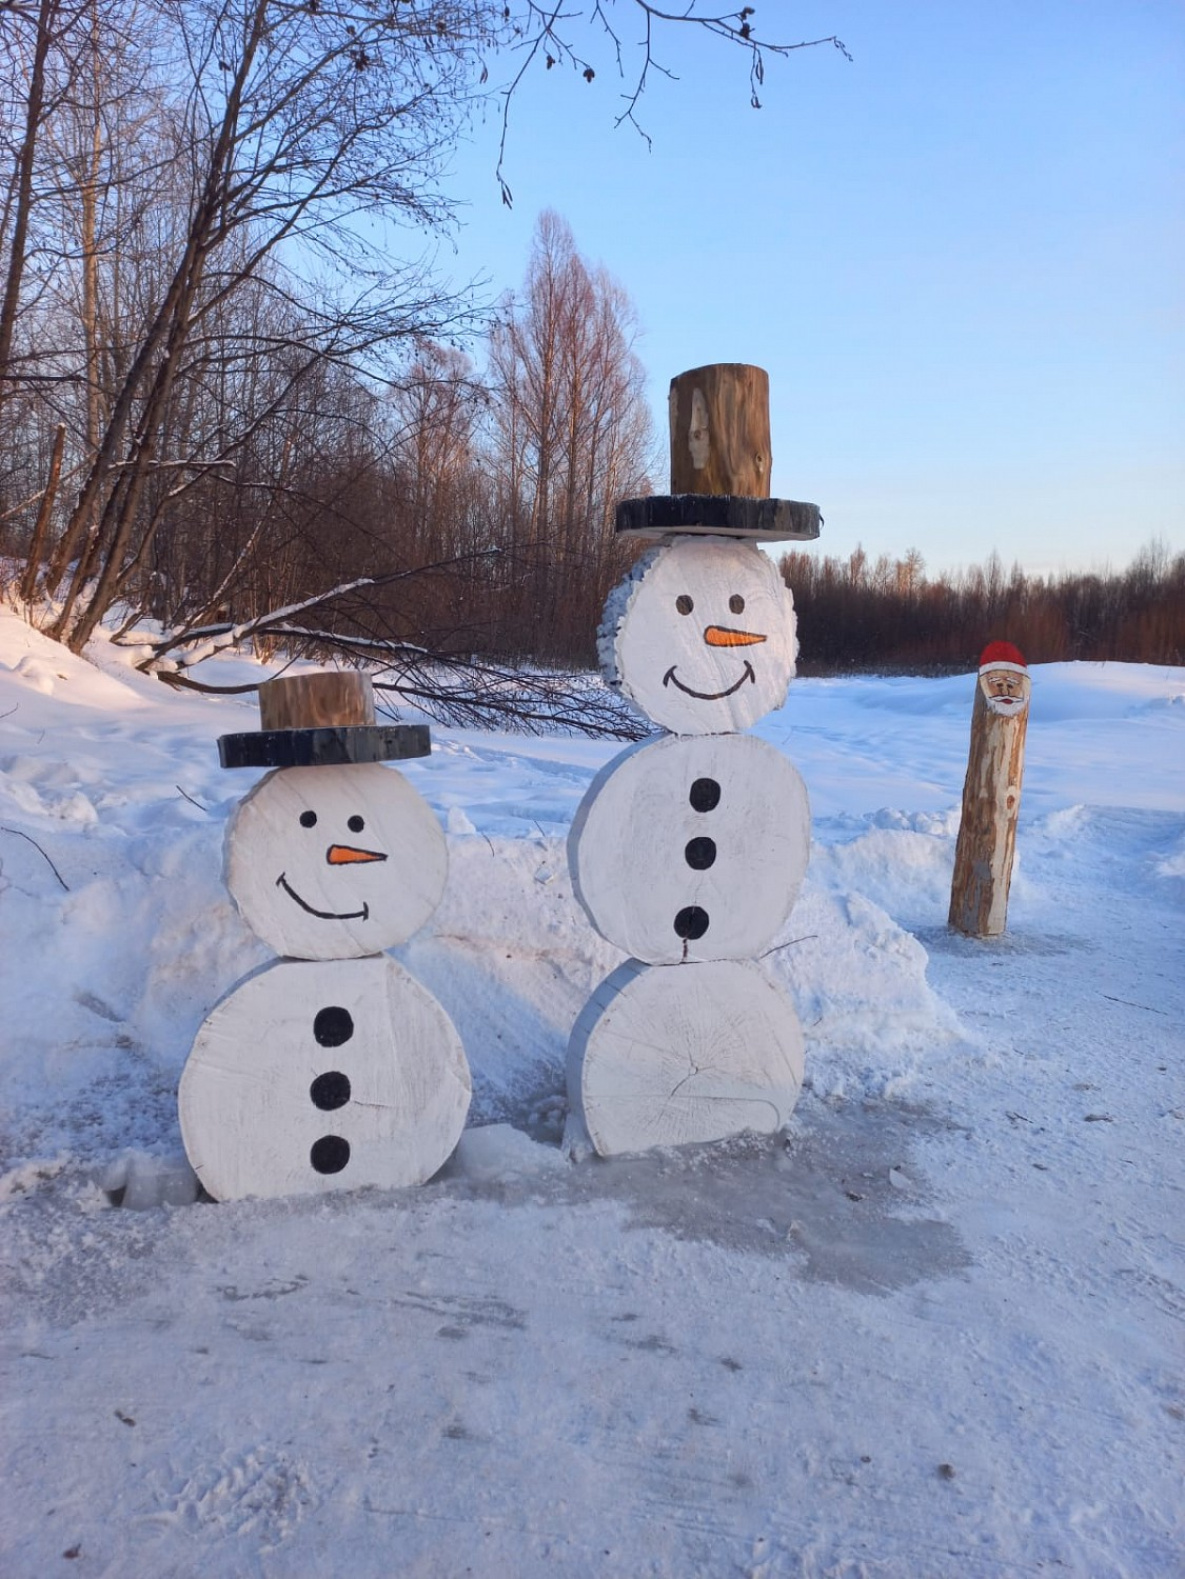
[324, 747]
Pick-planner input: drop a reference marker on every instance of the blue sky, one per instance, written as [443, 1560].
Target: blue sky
[959, 257]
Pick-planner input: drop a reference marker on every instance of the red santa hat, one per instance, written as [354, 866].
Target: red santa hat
[1002, 655]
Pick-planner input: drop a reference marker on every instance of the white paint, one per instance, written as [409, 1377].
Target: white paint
[248, 1119]
[699, 438]
[637, 833]
[372, 865]
[705, 637]
[673, 1055]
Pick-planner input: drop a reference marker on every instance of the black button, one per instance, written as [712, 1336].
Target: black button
[333, 1026]
[330, 1090]
[705, 795]
[330, 1154]
[691, 922]
[700, 853]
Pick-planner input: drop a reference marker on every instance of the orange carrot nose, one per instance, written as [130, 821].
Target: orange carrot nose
[721, 636]
[345, 854]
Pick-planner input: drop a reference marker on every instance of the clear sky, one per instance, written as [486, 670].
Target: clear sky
[960, 257]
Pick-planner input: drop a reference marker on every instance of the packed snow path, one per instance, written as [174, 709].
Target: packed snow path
[934, 1330]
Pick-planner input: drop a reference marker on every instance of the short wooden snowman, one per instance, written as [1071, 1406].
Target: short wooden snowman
[688, 851]
[332, 1067]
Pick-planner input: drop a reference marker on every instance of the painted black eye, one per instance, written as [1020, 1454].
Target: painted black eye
[355, 824]
[308, 819]
[736, 603]
[684, 604]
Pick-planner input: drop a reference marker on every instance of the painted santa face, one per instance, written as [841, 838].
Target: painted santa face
[707, 640]
[335, 862]
[1005, 691]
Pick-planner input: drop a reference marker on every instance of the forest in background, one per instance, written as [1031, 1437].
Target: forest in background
[887, 615]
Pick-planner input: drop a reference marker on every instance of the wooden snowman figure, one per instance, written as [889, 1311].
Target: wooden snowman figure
[688, 851]
[332, 1067]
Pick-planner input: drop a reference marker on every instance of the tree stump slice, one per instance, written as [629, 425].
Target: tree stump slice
[335, 863]
[719, 417]
[335, 697]
[675, 1055]
[702, 635]
[691, 848]
[986, 843]
[310, 1077]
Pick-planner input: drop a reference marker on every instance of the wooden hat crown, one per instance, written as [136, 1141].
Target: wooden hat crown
[324, 718]
[720, 464]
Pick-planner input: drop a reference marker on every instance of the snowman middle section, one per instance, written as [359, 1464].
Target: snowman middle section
[688, 853]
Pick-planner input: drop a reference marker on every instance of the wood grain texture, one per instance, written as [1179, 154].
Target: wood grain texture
[719, 420]
[322, 1061]
[335, 863]
[308, 701]
[673, 1055]
[642, 855]
[987, 829]
[705, 639]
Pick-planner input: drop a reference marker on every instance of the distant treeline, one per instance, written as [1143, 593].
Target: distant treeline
[886, 614]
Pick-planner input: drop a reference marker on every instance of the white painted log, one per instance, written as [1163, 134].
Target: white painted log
[701, 635]
[335, 862]
[691, 848]
[313, 1076]
[673, 1055]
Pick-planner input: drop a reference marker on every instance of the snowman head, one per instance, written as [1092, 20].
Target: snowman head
[335, 862]
[701, 636]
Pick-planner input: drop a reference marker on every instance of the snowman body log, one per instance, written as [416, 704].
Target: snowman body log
[332, 1068]
[321, 1075]
[671, 1056]
[689, 852]
[691, 848]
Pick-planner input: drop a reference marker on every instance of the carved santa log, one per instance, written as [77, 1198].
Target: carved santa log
[991, 794]
[315, 1076]
[672, 1055]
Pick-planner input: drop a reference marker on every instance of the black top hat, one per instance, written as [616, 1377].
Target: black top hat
[319, 720]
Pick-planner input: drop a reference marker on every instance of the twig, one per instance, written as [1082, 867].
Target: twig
[10, 711]
[811, 937]
[40, 851]
[193, 802]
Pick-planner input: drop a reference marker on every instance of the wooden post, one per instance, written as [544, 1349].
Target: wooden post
[720, 431]
[333, 698]
[991, 794]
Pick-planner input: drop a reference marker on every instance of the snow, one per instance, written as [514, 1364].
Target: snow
[933, 1329]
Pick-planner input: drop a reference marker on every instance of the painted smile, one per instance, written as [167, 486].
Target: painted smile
[671, 678]
[323, 915]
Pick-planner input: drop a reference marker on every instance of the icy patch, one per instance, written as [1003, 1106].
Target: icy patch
[498, 1151]
[139, 1181]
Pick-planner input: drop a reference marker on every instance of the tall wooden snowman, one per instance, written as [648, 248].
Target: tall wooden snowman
[332, 1067]
[688, 851]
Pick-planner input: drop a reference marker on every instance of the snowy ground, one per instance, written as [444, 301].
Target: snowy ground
[936, 1329]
